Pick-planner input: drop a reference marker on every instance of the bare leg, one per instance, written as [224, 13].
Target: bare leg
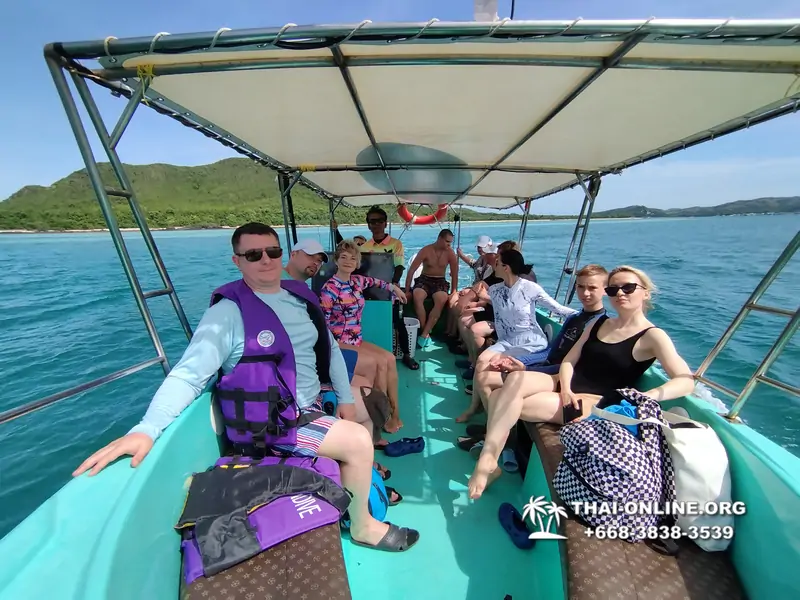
[485, 383]
[362, 416]
[419, 296]
[439, 300]
[351, 445]
[464, 324]
[481, 370]
[366, 366]
[526, 394]
[388, 370]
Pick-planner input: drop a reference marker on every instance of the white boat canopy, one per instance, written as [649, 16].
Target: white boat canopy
[486, 114]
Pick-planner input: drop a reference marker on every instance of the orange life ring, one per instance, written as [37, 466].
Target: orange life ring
[439, 215]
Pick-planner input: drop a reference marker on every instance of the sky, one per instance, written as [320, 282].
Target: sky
[37, 145]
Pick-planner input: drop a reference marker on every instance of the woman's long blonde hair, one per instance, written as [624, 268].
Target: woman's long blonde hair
[643, 277]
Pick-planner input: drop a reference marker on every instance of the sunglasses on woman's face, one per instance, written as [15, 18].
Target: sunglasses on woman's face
[255, 254]
[627, 289]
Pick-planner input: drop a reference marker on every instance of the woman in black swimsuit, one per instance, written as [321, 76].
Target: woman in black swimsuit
[613, 353]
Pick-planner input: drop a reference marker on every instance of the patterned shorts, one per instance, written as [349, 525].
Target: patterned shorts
[309, 436]
[431, 285]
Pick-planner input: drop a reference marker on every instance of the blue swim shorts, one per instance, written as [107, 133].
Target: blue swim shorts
[350, 360]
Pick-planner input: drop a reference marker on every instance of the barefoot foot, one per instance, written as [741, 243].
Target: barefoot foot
[485, 473]
[465, 416]
[393, 425]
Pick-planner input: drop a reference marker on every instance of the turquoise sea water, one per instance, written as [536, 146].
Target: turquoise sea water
[67, 316]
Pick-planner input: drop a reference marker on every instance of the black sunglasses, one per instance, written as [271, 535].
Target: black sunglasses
[376, 221]
[256, 254]
[627, 289]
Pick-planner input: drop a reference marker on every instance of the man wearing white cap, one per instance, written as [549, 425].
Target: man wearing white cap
[305, 260]
[482, 269]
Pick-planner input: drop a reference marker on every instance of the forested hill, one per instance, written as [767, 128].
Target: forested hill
[236, 190]
[229, 192]
[740, 207]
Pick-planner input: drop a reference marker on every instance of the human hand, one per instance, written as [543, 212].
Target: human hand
[568, 398]
[133, 444]
[346, 412]
[400, 295]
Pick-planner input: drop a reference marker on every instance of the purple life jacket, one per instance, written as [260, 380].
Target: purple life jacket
[242, 506]
[258, 397]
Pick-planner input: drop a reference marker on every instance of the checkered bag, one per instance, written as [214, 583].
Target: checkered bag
[605, 465]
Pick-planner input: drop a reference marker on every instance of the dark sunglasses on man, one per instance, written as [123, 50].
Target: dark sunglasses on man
[255, 254]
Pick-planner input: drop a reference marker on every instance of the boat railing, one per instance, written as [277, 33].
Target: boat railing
[578, 235]
[125, 190]
[752, 305]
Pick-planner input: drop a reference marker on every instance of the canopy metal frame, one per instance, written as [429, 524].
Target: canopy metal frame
[112, 53]
[132, 84]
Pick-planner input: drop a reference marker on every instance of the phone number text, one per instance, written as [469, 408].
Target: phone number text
[653, 532]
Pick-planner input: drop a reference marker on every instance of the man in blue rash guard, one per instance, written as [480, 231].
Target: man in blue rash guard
[218, 343]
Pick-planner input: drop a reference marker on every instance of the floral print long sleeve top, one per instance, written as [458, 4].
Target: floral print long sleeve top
[343, 302]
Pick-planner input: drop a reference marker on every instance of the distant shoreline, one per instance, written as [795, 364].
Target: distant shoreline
[222, 227]
[280, 226]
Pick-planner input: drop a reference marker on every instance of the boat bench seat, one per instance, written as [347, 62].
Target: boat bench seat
[606, 569]
[305, 567]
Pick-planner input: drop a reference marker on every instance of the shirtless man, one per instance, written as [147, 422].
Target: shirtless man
[434, 259]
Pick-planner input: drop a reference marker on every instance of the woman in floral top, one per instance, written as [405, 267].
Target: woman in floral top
[342, 300]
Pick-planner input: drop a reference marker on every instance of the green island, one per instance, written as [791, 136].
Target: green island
[236, 190]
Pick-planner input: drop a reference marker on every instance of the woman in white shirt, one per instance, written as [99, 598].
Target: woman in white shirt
[515, 300]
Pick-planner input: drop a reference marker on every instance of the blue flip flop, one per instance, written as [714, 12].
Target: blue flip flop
[515, 527]
[404, 446]
[508, 461]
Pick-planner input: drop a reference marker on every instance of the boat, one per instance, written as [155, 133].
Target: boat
[407, 113]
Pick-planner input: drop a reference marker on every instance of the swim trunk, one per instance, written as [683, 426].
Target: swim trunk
[431, 285]
[310, 435]
[350, 360]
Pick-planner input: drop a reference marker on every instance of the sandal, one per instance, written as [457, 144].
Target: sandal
[515, 527]
[383, 471]
[397, 539]
[404, 446]
[410, 362]
[393, 493]
[466, 442]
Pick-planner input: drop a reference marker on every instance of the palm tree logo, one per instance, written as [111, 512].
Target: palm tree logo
[539, 508]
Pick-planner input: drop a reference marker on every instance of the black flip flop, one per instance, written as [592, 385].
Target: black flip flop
[390, 491]
[385, 473]
[476, 429]
[397, 539]
[410, 362]
[468, 441]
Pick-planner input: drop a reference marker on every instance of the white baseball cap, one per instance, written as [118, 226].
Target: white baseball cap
[310, 247]
[485, 243]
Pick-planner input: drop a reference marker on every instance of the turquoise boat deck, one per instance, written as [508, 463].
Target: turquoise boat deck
[463, 552]
[112, 536]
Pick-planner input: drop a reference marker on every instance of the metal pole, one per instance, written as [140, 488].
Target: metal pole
[770, 276]
[772, 355]
[591, 193]
[331, 219]
[105, 206]
[125, 117]
[523, 227]
[458, 229]
[285, 186]
[25, 409]
[290, 210]
[566, 267]
[122, 176]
